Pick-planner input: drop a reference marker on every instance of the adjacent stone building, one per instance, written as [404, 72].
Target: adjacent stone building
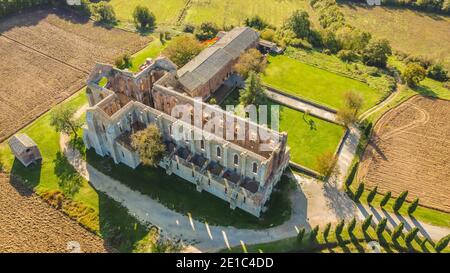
[197, 135]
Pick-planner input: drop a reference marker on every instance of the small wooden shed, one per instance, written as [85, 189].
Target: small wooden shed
[25, 149]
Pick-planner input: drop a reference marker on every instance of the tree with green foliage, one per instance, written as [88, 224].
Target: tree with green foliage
[346, 116]
[149, 145]
[409, 237]
[339, 228]
[399, 201]
[372, 195]
[326, 231]
[413, 74]
[144, 17]
[438, 72]
[359, 192]
[182, 49]
[326, 163]
[351, 226]
[299, 23]
[313, 234]
[442, 243]
[254, 92]
[329, 41]
[256, 22]
[413, 206]
[398, 231]
[123, 61]
[62, 119]
[300, 235]
[385, 199]
[206, 31]
[366, 224]
[381, 226]
[352, 39]
[376, 53]
[268, 34]
[250, 60]
[105, 13]
[354, 100]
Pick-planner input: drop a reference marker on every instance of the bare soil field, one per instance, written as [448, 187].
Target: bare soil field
[30, 225]
[46, 55]
[410, 150]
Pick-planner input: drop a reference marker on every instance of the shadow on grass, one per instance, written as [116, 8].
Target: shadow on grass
[70, 181]
[30, 176]
[179, 195]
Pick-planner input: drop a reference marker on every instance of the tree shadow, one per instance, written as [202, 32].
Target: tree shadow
[70, 181]
[342, 206]
[425, 91]
[32, 17]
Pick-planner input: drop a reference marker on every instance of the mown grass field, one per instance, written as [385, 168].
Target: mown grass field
[412, 32]
[312, 83]
[308, 136]
[234, 12]
[166, 11]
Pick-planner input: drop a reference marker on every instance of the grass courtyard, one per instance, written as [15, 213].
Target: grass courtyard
[308, 136]
[312, 83]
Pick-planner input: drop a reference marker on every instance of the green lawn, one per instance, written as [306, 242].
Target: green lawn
[308, 136]
[234, 12]
[166, 11]
[102, 215]
[355, 242]
[152, 50]
[315, 84]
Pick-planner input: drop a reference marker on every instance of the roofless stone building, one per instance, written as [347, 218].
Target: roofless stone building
[226, 155]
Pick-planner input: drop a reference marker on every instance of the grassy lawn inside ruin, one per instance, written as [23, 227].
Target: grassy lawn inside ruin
[315, 84]
[152, 50]
[308, 136]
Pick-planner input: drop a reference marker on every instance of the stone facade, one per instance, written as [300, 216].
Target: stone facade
[237, 171]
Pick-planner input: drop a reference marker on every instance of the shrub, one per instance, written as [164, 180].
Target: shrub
[256, 22]
[423, 61]
[188, 28]
[359, 192]
[442, 243]
[399, 201]
[376, 53]
[397, 231]
[313, 234]
[413, 74]
[326, 231]
[366, 224]
[104, 13]
[300, 235]
[329, 41]
[206, 31]
[268, 34]
[371, 195]
[182, 49]
[381, 226]
[300, 43]
[438, 72]
[351, 226]
[413, 206]
[409, 237]
[123, 61]
[347, 55]
[385, 199]
[144, 17]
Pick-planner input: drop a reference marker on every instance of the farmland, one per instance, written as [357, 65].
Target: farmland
[410, 151]
[47, 55]
[416, 33]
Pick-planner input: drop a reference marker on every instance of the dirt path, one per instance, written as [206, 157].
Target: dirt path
[30, 225]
